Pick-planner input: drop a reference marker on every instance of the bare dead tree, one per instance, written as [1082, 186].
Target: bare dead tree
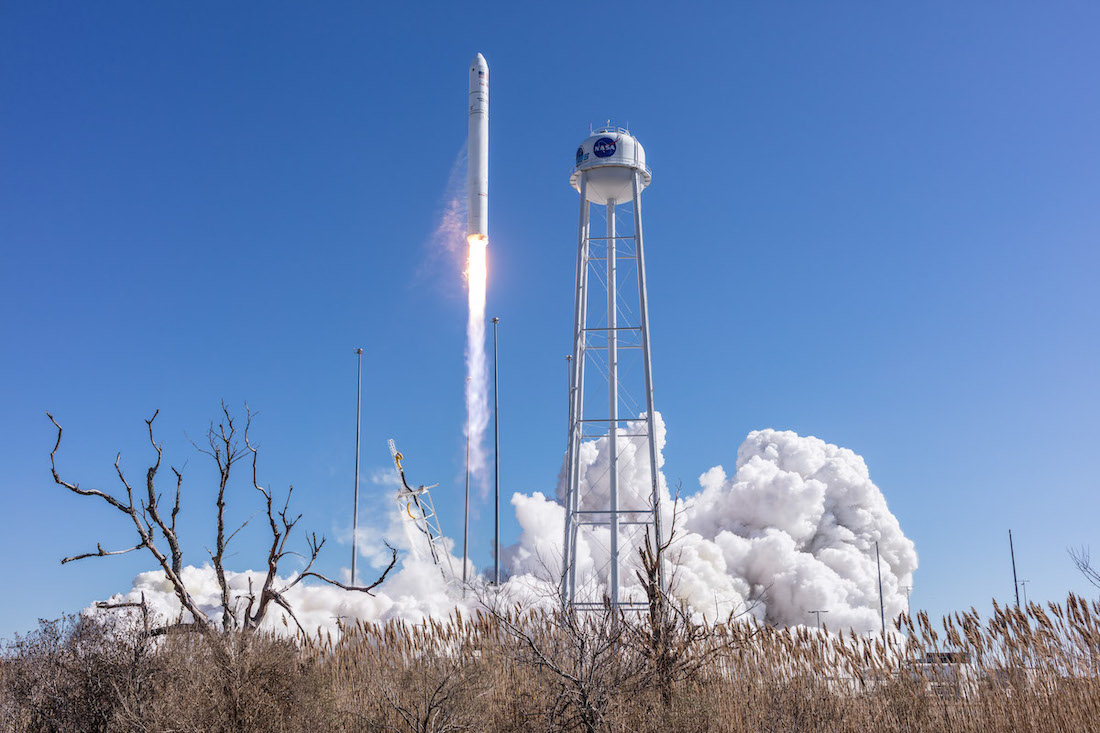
[143, 515]
[224, 447]
[674, 646]
[598, 655]
[583, 653]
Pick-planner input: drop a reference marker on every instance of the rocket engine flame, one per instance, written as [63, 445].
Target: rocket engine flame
[477, 271]
[477, 370]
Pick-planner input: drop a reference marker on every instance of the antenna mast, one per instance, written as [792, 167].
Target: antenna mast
[1015, 583]
[355, 505]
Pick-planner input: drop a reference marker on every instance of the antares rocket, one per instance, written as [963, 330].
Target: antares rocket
[477, 175]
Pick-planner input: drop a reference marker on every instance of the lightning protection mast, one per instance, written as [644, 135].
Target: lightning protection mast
[610, 515]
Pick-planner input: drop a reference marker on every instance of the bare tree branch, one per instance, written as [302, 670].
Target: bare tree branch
[75, 488]
[278, 545]
[359, 588]
[152, 500]
[141, 525]
[100, 552]
[176, 505]
[1083, 563]
[225, 450]
[280, 601]
[238, 529]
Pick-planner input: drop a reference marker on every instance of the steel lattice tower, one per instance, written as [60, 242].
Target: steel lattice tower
[611, 361]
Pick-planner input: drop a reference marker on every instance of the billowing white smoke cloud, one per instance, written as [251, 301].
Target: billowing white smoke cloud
[798, 523]
[792, 531]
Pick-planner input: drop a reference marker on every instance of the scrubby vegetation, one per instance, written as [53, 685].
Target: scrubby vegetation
[1033, 669]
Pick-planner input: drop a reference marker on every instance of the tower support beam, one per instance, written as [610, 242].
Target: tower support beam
[576, 398]
[613, 400]
[643, 309]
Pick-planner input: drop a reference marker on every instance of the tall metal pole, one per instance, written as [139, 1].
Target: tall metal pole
[1015, 583]
[355, 510]
[881, 605]
[564, 590]
[466, 512]
[818, 614]
[1023, 584]
[496, 463]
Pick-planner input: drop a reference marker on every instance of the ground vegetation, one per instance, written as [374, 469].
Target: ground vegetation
[1034, 668]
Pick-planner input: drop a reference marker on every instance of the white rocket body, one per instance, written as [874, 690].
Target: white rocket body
[477, 176]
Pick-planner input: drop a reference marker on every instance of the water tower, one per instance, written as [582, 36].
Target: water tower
[612, 498]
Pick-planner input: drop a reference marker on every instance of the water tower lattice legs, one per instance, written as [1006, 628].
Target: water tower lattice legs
[628, 517]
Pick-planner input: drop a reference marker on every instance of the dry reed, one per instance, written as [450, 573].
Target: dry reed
[1023, 669]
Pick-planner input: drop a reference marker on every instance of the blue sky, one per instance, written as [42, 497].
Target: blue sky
[870, 223]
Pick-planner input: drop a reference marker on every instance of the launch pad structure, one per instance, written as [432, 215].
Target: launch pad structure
[416, 504]
[610, 338]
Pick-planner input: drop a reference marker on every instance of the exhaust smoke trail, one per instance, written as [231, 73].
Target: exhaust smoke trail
[448, 238]
[477, 370]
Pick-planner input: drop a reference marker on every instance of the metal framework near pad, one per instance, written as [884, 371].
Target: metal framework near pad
[416, 504]
[612, 515]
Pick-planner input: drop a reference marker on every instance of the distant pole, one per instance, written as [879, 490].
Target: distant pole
[466, 514]
[908, 589]
[881, 605]
[1015, 583]
[1023, 584]
[565, 559]
[496, 463]
[818, 614]
[355, 509]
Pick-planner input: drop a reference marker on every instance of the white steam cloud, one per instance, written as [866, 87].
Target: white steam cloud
[793, 530]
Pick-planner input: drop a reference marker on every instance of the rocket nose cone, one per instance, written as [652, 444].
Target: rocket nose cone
[479, 62]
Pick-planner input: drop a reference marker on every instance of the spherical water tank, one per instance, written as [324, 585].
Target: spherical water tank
[609, 160]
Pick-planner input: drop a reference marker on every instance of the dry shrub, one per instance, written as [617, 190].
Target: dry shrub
[105, 674]
[1027, 669]
[71, 673]
[227, 682]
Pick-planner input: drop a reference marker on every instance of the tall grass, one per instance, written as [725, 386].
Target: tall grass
[1022, 669]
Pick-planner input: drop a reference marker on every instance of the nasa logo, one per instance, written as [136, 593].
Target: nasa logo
[604, 147]
[581, 157]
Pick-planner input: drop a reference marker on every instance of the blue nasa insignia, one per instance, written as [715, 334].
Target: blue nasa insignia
[604, 147]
